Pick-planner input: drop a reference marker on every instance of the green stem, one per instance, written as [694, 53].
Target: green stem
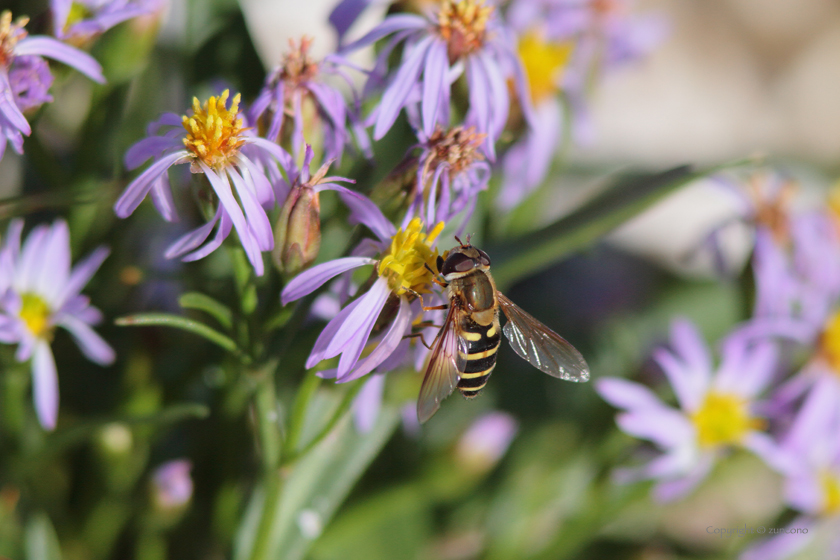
[265, 402]
[273, 493]
[304, 396]
[343, 407]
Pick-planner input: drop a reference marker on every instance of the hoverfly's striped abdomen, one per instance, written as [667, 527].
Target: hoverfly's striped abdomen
[482, 344]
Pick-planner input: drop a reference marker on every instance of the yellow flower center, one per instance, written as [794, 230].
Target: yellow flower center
[544, 63]
[830, 342]
[723, 419]
[834, 200]
[36, 314]
[10, 34]
[404, 265]
[831, 491]
[463, 25]
[78, 12]
[213, 132]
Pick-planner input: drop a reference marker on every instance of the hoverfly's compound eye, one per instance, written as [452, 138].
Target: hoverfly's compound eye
[485, 260]
[457, 262]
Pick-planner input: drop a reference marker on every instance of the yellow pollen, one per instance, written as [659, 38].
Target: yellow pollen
[213, 131]
[834, 200]
[10, 34]
[723, 419]
[36, 314]
[830, 343]
[463, 25]
[544, 63]
[831, 491]
[404, 265]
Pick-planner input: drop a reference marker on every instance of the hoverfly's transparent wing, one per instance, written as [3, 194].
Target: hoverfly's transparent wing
[445, 364]
[540, 346]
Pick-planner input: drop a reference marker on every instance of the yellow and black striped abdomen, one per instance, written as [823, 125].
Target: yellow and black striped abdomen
[482, 344]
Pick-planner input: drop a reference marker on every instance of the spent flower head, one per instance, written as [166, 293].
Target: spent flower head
[297, 101]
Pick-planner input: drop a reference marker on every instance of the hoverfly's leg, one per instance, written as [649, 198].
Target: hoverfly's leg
[435, 276]
[427, 325]
[420, 336]
[436, 307]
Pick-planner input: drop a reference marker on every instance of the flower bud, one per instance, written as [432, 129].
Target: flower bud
[172, 486]
[297, 234]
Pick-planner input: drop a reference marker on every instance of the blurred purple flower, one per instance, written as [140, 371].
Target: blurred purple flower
[212, 142]
[25, 77]
[172, 485]
[400, 273]
[486, 441]
[458, 37]
[80, 20]
[812, 477]
[39, 292]
[717, 410]
[293, 85]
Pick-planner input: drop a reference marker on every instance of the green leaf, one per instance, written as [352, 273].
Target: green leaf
[167, 320]
[312, 491]
[41, 539]
[616, 204]
[219, 311]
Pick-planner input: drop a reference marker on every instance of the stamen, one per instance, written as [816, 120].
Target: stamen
[213, 132]
[464, 26]
[723, 419]
[404, 265]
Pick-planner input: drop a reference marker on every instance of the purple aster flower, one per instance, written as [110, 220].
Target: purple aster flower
[81, 20]
[812, 479]
[25, 77]
[39, 292]
[400, 274]
[172, 485]
[294, 91]
[213, 142]
[451, 171]
[486, 441]
[457, 37]
[717, 410]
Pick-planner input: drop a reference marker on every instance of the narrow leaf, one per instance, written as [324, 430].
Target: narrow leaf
[613, 206]
[202, 302]
[41, 539]
[166, 320]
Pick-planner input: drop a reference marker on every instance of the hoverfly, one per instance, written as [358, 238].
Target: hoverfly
[463, 353]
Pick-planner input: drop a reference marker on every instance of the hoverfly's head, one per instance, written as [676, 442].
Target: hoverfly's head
[462, 260]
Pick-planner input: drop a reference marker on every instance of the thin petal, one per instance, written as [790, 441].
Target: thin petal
[45, 385]
[320, 347]
[368, 403]
[364, 211]
[395, 95]
[193, 239]
[9, 108]
[46, 46]
[257, 218]
[83, 272]
[50, 279]
[625, 394]
[162, 199]
[310, 280]
[137, 190]
[391, 24]
[434, 76]
[91, 344]
[225, 226]
[385, 347]
[351, 339]
[148, 148]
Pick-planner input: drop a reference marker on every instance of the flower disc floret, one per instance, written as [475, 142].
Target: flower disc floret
[35, 313]
[214, 133]
[464, 26]
[831, 492]
[458, 148]
[723, 419]
[830, 342]
[543, 61]
[404, 265]
[10, 34]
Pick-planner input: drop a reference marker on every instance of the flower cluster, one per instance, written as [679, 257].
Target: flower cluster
[39, 292]
[789, 419]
